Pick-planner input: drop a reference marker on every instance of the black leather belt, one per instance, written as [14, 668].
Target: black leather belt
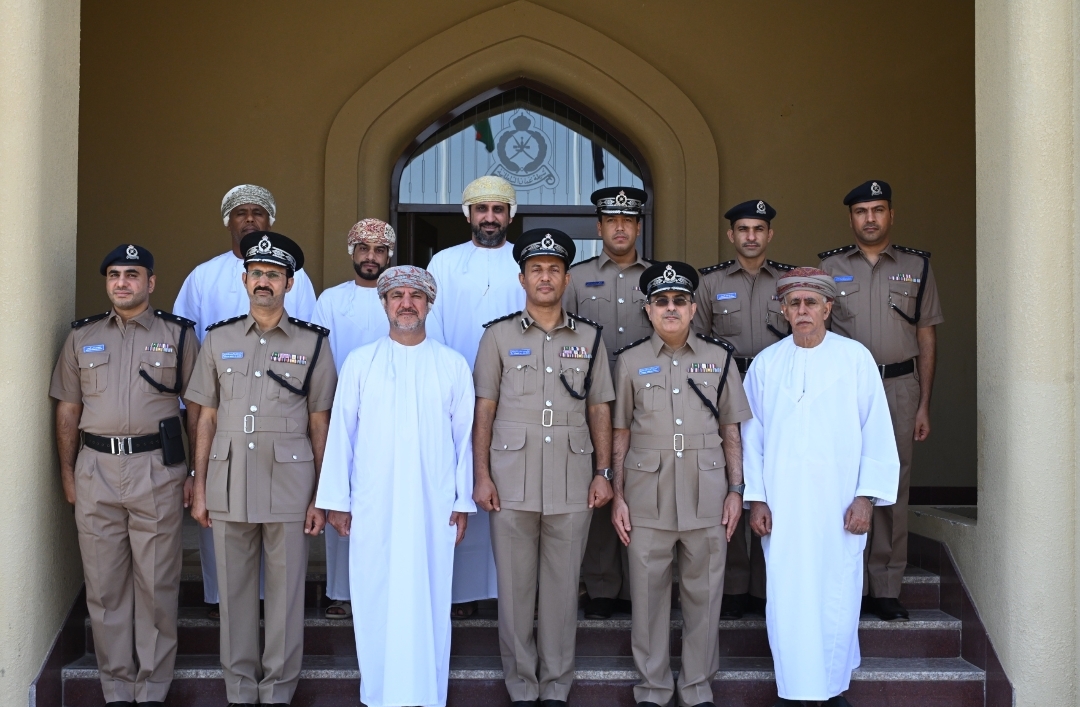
[894, 370]
[743, 362]
[122, 445]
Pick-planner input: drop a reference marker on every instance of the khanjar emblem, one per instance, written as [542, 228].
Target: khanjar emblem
[132, 253]
[875, 189]
[522, 152]
[548, 243]
[264, 245]
[761, 207]
[621, 199]
[669, 274]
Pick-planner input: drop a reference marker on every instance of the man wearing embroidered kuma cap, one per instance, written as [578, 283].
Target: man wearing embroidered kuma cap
[887, 300]
[213, 292]
[478, 282]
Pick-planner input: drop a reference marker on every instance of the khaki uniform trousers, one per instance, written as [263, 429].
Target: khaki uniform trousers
[886, 548]
[532, 549]
[605, 569]
[239, 546]
[128, 511]
[701, 555]
[745, 572]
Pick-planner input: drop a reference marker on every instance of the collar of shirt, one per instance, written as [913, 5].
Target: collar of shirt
[567, 322]
[602, 260]
[284, 326]
[145, 319]
[858, 251]
[658, 345]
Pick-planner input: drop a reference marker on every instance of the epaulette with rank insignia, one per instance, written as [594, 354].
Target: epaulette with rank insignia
[836, 251]
[718, 342]
[718, 266]
[308, 325]
[582, 262]
[502, 319]
[174, 318]
[781, 266]
[580, 318]
[912, 251]
[223, 322]
[632, 344]
[89, 320]
[650, 261]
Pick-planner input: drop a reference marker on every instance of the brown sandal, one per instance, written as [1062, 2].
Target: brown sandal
[463, 610]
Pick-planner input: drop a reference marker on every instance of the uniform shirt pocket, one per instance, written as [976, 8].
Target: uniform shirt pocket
[712, 482]
[641, 480]
[727, 317]
[707, 385]
[594, 303]
[844, 308]
[519, 375]
[579, 466]
[651, 391]
[292, 373]
[903, 295]
[233, 378]
[573, 371]
[507, 462]
[217, 476]
[292, 482]
[160, 367]
[774, 317]
[94, 372]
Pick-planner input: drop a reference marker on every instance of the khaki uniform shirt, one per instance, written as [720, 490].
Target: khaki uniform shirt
[99, 368]
[668, 489]
[740, 307]
[862, 309]
[262, 468]
[601, 292]
[541, 449]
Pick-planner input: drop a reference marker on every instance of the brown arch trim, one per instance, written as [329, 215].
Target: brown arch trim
[514, 42]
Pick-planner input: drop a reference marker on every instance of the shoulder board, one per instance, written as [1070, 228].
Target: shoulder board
[781, 266]
[223, 322]
[836, 251]
[650, 261]
[632, 345]
[583, 319]
[718, 342]
[502, 319]
[174, 318]
[912, 251]
[718, 266]
[582, 262]
[89, 320]
[308, 325]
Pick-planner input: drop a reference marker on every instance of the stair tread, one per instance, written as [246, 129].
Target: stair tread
[587, 668]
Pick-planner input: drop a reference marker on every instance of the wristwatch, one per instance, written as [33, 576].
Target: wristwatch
[736, 488]
[606, 473]
[872, 499]
[192, 474]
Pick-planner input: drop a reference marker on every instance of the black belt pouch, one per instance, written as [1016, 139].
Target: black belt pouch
[172, 441]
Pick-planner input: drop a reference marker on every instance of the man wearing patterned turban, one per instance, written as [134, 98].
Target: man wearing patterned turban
[818, 455]
[398, 469]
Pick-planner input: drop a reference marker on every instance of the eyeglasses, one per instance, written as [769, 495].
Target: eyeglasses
[272, 275]
[662, 301]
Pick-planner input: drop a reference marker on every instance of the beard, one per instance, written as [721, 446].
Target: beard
[489, 241]
[358, 267]
[412, 325]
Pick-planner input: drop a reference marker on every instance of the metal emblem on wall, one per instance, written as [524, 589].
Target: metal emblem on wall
[522, 153]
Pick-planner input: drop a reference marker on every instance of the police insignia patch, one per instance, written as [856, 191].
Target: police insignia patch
[93, 348]
[648, 370]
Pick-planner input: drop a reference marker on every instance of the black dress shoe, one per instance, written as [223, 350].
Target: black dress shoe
[789, 703]
[119, 703]
[757, 605]
[889, 609]
[733, 606]
[647, 704]
[599, 608]
[526, 703]
[838, 701]
[554, 703]
[705, 704]
[869, 605]
[622, 606]
[150, 704]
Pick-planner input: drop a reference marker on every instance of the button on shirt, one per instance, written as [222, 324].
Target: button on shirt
[741, 307]
[600, 291]
[668, 489]
[541, 449]
[864, 293]
[262, 467]
[99, 367]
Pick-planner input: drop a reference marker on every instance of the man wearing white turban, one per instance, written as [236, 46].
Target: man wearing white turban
[214, 292]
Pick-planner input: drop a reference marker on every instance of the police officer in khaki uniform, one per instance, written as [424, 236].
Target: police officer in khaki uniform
[266, 383]
[119, 379]
[678, 483]
[605, 289]
[542, 394]
[888, 302]
[737, 301]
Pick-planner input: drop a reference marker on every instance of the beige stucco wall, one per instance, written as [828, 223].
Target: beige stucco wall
[39, 103]
[801, 101]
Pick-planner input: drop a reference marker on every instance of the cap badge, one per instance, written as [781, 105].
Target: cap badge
[669, 274]
[875, 189]
[548, 243]
[263, 246]
[761, 207]
[132, 253]
[621, 198]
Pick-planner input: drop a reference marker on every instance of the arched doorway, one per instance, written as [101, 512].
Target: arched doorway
[553, 150]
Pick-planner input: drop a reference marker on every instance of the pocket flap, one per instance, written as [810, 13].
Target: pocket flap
[293, 450]
[727, 306]
[233, 365]
[711, 458]
[94, 359]
[520, 362]
[906, 289]
[158, 359]
[219, 448]
[846, 288]
[642, 460]
[507, 438]
[580, 441]
[650, 380]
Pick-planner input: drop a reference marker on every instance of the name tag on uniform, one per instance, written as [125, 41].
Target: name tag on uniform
[298, 359]
[647, 371]
[232, 354]
[727, 295]
[843, 278]
[594, 283]
[520, 352]
[93, 348]
[575, 352]
[703, 368]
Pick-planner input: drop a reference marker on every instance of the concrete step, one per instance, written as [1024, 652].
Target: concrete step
[328, 681]
[931, 633]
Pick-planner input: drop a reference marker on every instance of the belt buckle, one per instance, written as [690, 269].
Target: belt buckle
[247, 419]
[679, 443]
[120, 446]
[547, 417]
[881, 370]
